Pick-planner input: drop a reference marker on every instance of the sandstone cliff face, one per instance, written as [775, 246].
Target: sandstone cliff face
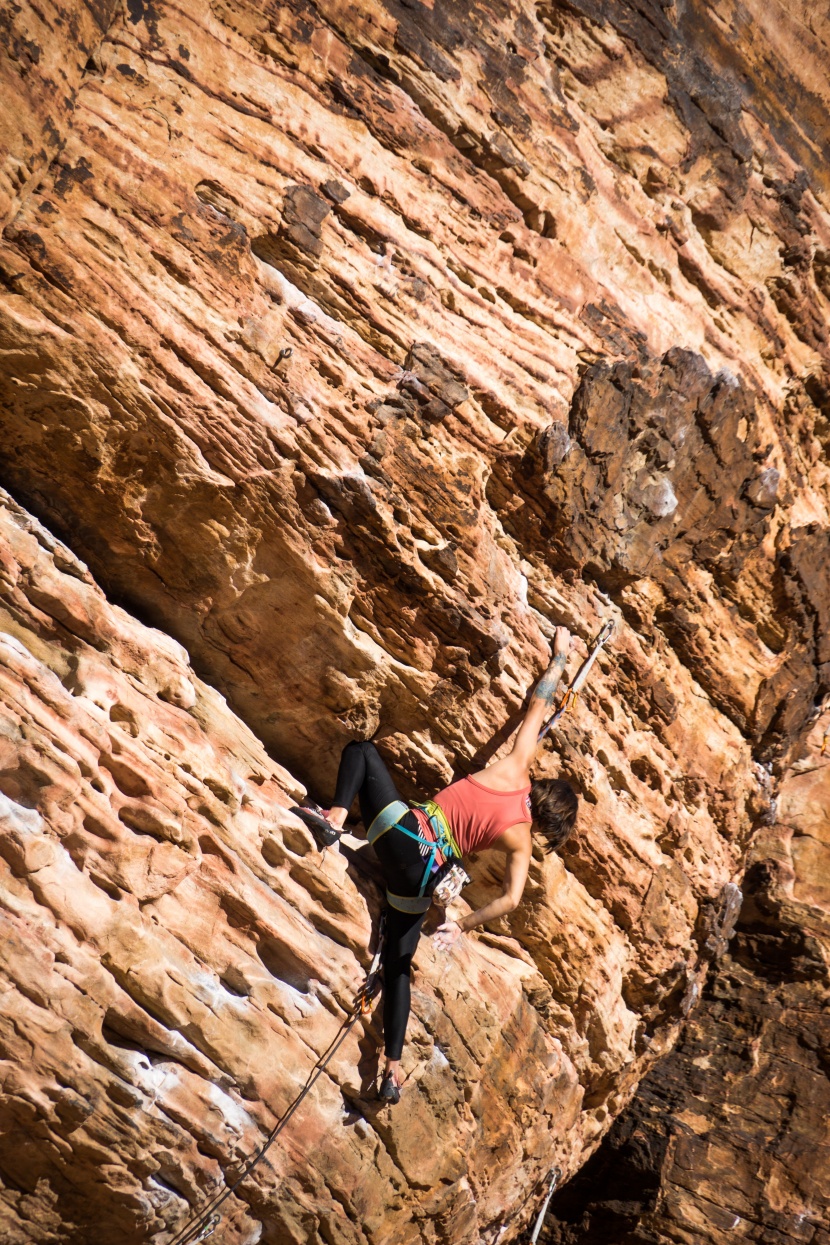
[45, 49]
[554, 284]
[176, 957]
[237, 182]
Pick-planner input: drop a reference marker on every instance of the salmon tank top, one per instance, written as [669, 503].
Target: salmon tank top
[478, 815]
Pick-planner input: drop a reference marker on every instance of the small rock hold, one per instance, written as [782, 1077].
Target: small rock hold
[657, 495]
[335, 191]
[303, 214]
[442, 561]
[554, 445]
[179, 692]
[428, 376]
[763, 491]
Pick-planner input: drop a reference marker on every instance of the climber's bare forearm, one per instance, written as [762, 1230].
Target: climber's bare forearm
[490, 912]
[513, 770]
[541, 707]
[543, 700]
[516, 867]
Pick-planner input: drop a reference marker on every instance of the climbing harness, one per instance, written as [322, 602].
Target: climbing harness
[555, 1177]
[443, 844]
[569, 699]
[200, 1227]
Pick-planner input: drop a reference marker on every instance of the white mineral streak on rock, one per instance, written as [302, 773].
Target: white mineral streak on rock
[236, 1118]
[14, 816]
[658, 496]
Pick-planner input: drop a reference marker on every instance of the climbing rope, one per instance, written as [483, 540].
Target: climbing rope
[203, 1225]
[569, 699]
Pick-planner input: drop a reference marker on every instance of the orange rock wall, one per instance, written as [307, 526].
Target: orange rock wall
[176, 957]
[554, 284]
[45, 51]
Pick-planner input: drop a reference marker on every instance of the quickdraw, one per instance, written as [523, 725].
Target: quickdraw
[569, 699]
[208, 1230]
[366, 993]
[555, 1177]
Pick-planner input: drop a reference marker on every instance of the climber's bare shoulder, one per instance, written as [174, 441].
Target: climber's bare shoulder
[509, 773]
[515, 841]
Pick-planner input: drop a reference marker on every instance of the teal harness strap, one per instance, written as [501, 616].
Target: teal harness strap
[386, 819]
[410, 834]
[390, 817]
[440, 828]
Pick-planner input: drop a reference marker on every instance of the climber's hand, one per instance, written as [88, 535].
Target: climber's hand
[447, 935]
[561, 642]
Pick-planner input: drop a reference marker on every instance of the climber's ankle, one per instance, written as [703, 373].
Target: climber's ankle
[393, 1068]
[337, 816]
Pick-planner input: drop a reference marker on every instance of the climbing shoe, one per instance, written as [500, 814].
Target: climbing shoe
[315, 818]
[389, 1091]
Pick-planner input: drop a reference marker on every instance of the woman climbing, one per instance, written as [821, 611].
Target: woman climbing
[499, 807]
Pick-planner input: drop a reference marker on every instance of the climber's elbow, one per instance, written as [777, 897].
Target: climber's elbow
[510, 900]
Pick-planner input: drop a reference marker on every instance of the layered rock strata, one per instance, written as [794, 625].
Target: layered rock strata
[354, 348]
[45, 51]
[516, 194]
[176, 956]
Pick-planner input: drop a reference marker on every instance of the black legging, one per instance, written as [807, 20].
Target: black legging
[362, 773]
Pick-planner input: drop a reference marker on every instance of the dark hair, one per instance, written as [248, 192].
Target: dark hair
[553, 805]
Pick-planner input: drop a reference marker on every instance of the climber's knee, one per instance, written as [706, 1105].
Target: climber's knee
[362, 746]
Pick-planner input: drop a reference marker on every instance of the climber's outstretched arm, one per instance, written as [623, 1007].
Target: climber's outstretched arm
[516, 843]
[542, 702]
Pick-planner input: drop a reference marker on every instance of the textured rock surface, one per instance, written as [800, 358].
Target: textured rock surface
[727, 1137]
[240, 180]
[555, 291]
[175, 958]
[45, 49]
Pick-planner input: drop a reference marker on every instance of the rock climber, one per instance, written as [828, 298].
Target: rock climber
[499, 807]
